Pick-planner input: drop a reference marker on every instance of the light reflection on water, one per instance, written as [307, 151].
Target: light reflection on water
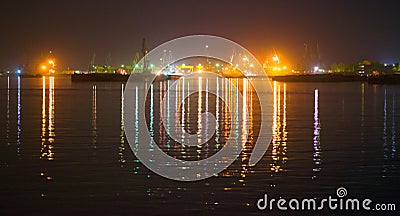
[279, 136]
[48, 127]
[354, 124]
[94, 119]
[47, 151]
[121, 149]
[389, 135]
[19, 116]
[317, 130]
[8, 113]
[192, 122]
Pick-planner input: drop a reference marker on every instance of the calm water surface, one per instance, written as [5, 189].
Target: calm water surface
[63, 149]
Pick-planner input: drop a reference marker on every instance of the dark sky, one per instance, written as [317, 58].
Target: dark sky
[346, 30]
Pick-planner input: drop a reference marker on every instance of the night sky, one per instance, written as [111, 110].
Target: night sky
[346, 31]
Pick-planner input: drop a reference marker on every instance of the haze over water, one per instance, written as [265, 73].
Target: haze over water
[63, 148]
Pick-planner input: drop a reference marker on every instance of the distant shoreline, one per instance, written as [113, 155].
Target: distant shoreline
[379, 79]
[320, 78]
[308, 78]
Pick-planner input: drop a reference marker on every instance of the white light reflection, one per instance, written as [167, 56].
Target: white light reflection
[385, 135]
[151, 127]
[393, 127]
[94, 118]
[121, 148]
[8, 112]
[43, 112]
[317, 130]
[206, 145]
[136, 116]
[199, 110]
[136, 161]
[217, 113]
[246, 130]
[161, 136]
[51, 109]
[19, 116]
[236, 105]
[168, 118]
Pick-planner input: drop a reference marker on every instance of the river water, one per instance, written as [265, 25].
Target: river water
[63, 149]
